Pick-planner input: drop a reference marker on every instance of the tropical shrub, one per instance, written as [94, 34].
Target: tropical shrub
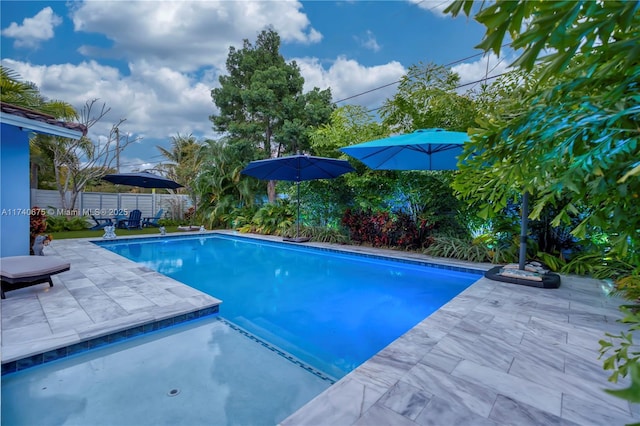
[475, 250]
[623, 355]
[322, 201]
[271, 219]
[240, 216]
[383, 229]
[64, 223]
[170, 222]
[501, 242]
[322, 234]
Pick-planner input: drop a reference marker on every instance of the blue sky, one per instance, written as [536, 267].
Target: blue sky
[154, 63]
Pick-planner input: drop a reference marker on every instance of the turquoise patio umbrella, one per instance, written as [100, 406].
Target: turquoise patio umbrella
[424, 149]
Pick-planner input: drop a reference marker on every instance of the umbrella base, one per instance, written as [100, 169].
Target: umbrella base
[547, 280]
[296, 239]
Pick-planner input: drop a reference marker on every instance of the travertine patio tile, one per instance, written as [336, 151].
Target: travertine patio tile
[25, 348]
[81, 282]
[440, 360]
[21, 312]
[497, 306]
[523, 390]
[478, 351]
[507, 411]
[61, 324]
[590, 369]
[379, 414]
[114, 325]
[476, 397]
[342, 404]
[421, 338]
[128, 299]
[405, 399]
[465, 302]
[12, 335]
[585, 412]
[538, 330]
[471, 328]
[580, 335]
[548, 356]
[380, 373]
[443, 320]
[565, 383]
[446, 411]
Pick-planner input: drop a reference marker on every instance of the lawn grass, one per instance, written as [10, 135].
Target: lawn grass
[86, 233]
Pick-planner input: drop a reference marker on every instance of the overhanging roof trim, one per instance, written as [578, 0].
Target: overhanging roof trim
[39, 126]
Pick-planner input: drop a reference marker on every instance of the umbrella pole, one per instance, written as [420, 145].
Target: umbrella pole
[523, 230]
[298, 221]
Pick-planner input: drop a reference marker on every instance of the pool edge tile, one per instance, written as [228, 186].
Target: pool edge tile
[15, 365]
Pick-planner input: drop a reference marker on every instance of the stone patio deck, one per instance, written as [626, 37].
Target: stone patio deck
[496, 354]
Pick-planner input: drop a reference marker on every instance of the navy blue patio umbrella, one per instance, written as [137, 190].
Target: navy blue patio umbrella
[142, 179]
[297, 168]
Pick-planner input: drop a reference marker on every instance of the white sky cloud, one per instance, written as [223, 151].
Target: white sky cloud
[347, 77]
[370, 42]
[188, 35]
[156, 102]
[436, 7]
[488, 65]
[34, 30]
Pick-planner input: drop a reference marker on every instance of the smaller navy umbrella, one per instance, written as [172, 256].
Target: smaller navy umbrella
[297, 168]
[142, 179]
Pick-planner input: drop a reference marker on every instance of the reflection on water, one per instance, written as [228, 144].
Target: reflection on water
[221, 377]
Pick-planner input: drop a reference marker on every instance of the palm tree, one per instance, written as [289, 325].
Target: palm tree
[27, 95]
[220, 185]
[185, 160]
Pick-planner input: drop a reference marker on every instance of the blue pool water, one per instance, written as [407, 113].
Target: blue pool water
[331, 310]
[199, 373]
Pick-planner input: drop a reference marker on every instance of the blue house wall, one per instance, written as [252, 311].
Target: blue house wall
[14, 191]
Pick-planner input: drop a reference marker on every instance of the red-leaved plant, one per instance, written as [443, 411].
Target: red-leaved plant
[381, 229]
[37, 225]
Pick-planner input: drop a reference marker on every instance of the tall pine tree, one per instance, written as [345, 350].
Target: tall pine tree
[261, 103]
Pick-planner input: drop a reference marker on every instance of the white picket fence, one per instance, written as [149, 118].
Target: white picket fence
[104, 204]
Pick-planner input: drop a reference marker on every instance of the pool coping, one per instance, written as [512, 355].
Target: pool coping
[390, 388]
[13, 366]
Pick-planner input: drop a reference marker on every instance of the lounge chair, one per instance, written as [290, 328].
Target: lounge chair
[133, 222]
[101, 222]
[153, 221]
[24, 271]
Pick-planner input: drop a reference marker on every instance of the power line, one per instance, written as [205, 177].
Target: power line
[462, 85]
[398, 81]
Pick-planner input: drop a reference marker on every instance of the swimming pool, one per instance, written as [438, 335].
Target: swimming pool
[332, 310]
[198, 373]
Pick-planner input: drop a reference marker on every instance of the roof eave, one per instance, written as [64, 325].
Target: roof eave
[39, 126]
